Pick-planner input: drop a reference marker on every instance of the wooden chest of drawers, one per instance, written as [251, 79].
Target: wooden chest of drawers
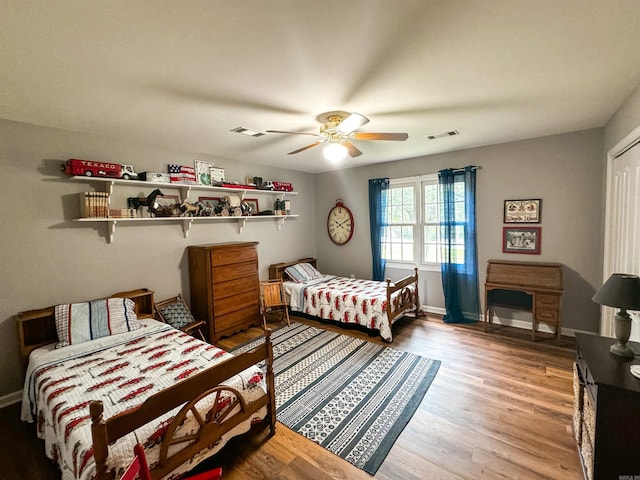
[224, 286]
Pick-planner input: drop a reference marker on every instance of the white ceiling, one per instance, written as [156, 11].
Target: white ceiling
[183, 73]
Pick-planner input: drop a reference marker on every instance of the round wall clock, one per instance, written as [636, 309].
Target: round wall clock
[340, 223]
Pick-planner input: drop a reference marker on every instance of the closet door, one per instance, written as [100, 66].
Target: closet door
[622, 226]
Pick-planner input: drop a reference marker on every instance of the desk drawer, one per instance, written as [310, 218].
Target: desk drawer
[544, 300]
[546, 315]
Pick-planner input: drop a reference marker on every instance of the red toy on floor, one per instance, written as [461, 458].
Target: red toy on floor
[139, 466]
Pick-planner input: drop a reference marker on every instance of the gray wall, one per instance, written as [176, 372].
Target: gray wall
[47, 259]
[565, 171]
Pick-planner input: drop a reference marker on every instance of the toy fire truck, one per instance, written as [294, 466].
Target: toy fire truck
[91, 168]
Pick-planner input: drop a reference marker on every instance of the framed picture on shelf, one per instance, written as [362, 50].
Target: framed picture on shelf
[210, 201]
[523, 211]
[203, 172]
[217, 175]
[209, 206]
[168, 200]
[525, 240]
[167, 206]
[253, 203]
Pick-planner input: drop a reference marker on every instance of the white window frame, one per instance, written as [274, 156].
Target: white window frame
[418, 230]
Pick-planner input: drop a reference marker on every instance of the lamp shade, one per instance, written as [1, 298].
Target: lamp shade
[621, 290]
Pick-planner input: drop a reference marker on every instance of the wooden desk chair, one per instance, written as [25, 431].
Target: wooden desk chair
[138, 466]
[176, 313]
[272, 298]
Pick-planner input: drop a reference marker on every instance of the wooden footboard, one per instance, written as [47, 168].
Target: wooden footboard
[406, 300]
[212, 426]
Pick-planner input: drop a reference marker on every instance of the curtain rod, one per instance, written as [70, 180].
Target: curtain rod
[473, 167]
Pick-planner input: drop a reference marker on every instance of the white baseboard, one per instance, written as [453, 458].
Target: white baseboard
[436, 310]
[523, 324]
[10, 399]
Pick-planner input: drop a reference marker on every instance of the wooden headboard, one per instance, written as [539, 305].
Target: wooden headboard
[276, 271]
[37, 328]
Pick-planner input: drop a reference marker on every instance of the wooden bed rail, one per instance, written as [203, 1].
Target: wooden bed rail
[212, 426]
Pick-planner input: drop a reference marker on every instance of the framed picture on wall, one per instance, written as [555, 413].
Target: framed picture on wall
[523, 211]
[521, 240]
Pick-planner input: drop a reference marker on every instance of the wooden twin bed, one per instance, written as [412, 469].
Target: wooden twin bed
[370, 304]
[208, 396]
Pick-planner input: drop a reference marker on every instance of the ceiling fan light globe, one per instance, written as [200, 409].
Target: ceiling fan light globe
[335, 152]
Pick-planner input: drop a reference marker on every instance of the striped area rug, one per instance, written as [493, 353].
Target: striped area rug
[351, 396]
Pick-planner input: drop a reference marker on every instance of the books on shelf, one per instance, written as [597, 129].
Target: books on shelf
[123, 213]
[94, 204]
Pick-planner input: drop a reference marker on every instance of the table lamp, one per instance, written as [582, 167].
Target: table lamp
[621, 291]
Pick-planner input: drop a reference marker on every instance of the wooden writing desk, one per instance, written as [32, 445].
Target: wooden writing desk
[531, 286]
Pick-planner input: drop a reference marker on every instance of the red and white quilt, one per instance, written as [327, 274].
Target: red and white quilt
[121, 370]
[347, 300]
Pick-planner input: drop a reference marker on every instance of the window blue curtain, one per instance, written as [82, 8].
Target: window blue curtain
[378, 192]
[457, 225]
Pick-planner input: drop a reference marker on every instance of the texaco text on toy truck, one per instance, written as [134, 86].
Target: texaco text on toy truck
[91, 168]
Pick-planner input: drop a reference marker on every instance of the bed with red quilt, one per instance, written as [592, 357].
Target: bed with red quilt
[370, 304]
[179, 397]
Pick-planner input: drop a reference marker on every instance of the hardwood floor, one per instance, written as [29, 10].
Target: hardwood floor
[499, 408]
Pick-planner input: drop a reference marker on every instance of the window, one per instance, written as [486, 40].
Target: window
[398, 236]
[433, 245]
[413, 233]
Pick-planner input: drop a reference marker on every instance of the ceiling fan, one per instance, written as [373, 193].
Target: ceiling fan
[337, 131]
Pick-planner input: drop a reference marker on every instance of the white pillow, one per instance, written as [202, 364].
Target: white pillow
[302, 272]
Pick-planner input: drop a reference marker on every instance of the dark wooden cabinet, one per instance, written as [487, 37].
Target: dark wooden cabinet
[606, 416]
[224, 286]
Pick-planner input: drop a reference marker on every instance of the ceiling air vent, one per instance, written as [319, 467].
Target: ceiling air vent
[443, 134]
[247, 131]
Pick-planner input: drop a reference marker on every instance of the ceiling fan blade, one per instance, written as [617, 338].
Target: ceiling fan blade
[351, 123]
[351, 148]
[314, 144]
[294, 133]
[380, 136]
